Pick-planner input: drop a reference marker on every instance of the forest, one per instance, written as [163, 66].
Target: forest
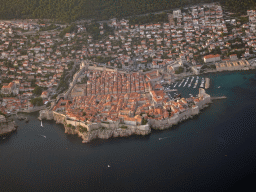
[72, 10]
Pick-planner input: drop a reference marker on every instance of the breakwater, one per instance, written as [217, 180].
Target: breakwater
[207, 83]
[221, 97]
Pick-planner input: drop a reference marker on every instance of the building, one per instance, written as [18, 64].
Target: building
[211, 58]
[45, 94]
[233, 57]
[8, 89]
[2, 118]
[177, 13]
[196, 69]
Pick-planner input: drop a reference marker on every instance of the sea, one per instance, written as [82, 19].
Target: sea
[215, 151]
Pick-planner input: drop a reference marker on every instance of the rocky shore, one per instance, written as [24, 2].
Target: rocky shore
[109, 131]
[105, 133]
[105, 130]
[7, 127]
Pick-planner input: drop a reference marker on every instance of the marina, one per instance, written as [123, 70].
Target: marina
[187, 86]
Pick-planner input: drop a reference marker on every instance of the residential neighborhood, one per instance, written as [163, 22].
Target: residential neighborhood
[196, 39]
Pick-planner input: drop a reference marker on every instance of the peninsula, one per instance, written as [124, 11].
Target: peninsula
[117, 104]
[113, 73]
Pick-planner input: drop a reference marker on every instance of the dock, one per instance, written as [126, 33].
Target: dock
[216, 98]
[207, 83]
[171, 90]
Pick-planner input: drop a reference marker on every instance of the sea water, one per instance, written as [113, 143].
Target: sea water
[212, 152]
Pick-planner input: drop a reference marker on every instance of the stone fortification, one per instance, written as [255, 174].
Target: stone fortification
[103, 133]
[45, 114]
[174, 120]
[104, 130]
[99, 130]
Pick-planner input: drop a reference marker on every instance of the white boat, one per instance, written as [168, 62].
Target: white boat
[4, 137]
[218, 87]
[43, 136]
[195, 84]
[41, 123]
[108, 165]
[192, 79]
[163, 138]
[179, 84]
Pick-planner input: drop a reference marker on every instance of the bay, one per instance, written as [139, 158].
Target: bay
[213, 152]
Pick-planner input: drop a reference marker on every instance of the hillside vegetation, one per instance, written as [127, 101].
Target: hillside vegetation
[71, 10]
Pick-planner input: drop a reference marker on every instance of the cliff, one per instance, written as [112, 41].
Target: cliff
[7, 127]
[103, 133]
[104, 130]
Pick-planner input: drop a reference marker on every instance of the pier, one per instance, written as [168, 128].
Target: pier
[207, 83]
[216, 98]
[171, 90]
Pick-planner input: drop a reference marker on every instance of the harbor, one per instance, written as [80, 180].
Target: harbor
[187, 87]
[211, 139]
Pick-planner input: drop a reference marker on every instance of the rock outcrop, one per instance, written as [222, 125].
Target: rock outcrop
[45, 114]
[7, 127]
[104, 133]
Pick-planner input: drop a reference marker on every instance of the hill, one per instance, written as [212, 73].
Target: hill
[71, 10]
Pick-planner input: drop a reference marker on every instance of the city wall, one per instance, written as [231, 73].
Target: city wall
[174, 120]
[105, 130]
[61, 118]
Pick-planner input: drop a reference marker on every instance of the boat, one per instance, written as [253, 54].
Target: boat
[108, 165]
[26, 120]
[43, 136]
[195, 84]
[163, 138]
[218, 87]
[181, 82]
[4, 137]
[191, 81]
[41, 123]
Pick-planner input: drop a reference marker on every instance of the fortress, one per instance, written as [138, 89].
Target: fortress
[89, 130]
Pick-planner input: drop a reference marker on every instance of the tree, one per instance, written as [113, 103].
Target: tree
[179, 70]
[37, 101]
[144, 121]
[38, 90]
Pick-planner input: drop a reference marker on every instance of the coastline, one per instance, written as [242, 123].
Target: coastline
[102, 130]
[180, 76]
[91, 130]
[7, 127]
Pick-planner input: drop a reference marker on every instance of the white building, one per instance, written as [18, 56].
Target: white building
[177, 13]
[211, 58]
